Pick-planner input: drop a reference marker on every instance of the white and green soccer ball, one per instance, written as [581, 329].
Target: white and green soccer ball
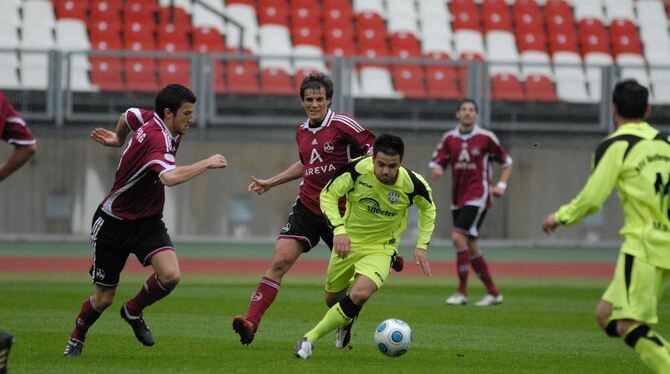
[393, 337]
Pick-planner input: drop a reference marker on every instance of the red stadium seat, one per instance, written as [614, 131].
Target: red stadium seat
[276, 82]
[242, 77]
[272, 12]
[337, 13]
[139, 32]
[176, 16]
[305, 12]
[496, 15]
[540, 88]
[625, 37]
[563, 42]
[306, 35]
[506, 87]
[466, 15]
[528, 17]
[172, 38]
[409, 80]
[339, 41]
[246, 2]
[140, 11]
[104, 31]
[442, 80]
[107, 10]
[106, 73]
[174, 71]
[208, 40]
[72, 9]
[559, 16]
[141, 74]
[593, 36]
[405, 45]
[531, 41]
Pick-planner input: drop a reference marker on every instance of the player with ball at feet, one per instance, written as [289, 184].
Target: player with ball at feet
[378, 193]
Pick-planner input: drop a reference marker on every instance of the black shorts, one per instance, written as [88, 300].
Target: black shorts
[306, 227]
[114, 240]
[468, 219]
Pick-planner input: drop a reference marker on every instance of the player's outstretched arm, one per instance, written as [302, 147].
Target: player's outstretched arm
[19, 156]
[436, 173]
[550, 224]
[421, 259]
[112, 139]
[181, 174]
[260, 186]
[500, 188]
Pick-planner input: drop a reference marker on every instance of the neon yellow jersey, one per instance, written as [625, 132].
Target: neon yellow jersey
[376, 214]
[636, 160]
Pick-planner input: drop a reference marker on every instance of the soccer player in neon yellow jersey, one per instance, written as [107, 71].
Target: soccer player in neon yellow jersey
[636, 160]
[379, 192]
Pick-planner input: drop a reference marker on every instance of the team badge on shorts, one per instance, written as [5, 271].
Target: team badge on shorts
[99, 274]
[286, 227]
[328, 147]
[393, 197]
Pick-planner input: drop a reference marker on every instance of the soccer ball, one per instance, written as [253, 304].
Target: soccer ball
[393, 337]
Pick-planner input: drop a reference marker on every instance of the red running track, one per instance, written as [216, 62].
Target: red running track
[313, 267]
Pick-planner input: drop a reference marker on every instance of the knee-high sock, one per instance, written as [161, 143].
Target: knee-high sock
[88, 314]
[462, 269]
[261, 299]
[339, 315]
[151, 291]
[650, 346]
[482, 270]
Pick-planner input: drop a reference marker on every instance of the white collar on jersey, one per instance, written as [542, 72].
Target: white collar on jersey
[325, 123]
[471, 133]
[164, 127]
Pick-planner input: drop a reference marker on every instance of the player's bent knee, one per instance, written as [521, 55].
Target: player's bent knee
[603, 313]
[170, 279]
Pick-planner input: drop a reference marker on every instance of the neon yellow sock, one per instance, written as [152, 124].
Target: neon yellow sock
[653, 350]
[333, 319]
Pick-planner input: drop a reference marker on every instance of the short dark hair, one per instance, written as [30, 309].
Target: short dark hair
[630, 99]
[389, 144]
[465, 101]
[315, 81]
[171, 97]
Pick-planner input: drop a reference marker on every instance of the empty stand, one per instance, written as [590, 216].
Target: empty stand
[506, 87]
[409, 81]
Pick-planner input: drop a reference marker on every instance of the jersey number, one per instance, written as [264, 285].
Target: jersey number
[664, 191]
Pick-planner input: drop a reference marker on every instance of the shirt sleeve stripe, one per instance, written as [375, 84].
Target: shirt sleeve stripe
[350, 122]
[15, 119]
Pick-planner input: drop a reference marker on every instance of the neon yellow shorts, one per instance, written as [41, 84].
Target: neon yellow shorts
[636, 289]
[374, 264]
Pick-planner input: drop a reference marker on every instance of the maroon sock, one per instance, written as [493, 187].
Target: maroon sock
[462, 268]
[482, 270]
[87, 317]
[151, 291]
[262, 299]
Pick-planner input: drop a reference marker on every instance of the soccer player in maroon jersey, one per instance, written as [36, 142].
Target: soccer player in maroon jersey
[14, 131]
[470, 150]
[326, 142]
[129, 219]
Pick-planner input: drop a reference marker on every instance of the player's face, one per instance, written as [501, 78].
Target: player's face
[315, 104]
[467, 114]
[386, 167]
[183, 119]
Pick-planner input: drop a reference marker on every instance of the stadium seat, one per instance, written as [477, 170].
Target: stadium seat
[339, 41]
[409, 81]
[594, 62]
[619, 10]
[307, 58]
[306, 35]
[496, 16]
[660, 78]
[506, 87]
[185, 5]
[276, 82]
[273, 12]
[540, 88]
[535, 63]
[436, 34]
[368, 6]
[174, 15]
[305, 12]
[593, 36]
[532, 41]
[337, 14]
[559, 17]
[376, 82]
[442, 82]
[469, 43]
[72, 9]
[139, 32]
[106, 73]
[654, 32]
[174, 71]
[203, 17]
[208, 40]
[465, 15]
[242, 77]
[633, 66]
[173, 38]
[592, 9]
[502, 53]
[570, 78]
[405, 45]
[527, 16]
[275, 41]
[11, 17]
[243, 2]
[71, 37]
[402, 17]
[246, 15]
[139, 11]
[141, 74]
[563, 42]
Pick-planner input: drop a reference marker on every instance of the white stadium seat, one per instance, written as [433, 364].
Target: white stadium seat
[202, 17]
[245, 15]
[589, 9]
[570, 79]
[374, 6]
[502, 53]
[619, 9]
[308, 58]
[376, 82]
[402, 17]
[275, 41]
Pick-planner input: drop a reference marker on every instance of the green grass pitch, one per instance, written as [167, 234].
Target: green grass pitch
[544, 326]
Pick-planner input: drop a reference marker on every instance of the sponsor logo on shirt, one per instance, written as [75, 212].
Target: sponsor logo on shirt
[364, 184]
[373, 207]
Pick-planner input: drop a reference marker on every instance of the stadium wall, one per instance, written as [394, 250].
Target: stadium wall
[59, 189]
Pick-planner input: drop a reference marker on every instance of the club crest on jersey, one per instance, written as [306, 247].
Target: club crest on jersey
[475, 151]
[393, 197]
[328, 147]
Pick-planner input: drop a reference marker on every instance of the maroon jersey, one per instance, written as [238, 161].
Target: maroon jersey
[325, 149]
[138, 191]
[13, 128]
[470, 156]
